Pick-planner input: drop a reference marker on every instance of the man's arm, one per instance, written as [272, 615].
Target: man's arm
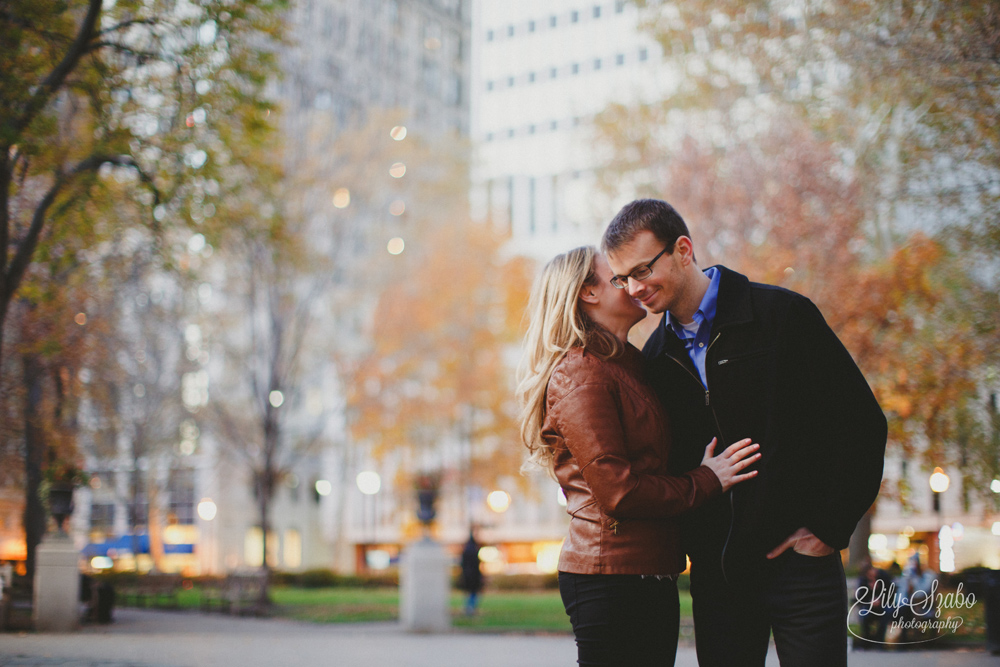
[846, 432]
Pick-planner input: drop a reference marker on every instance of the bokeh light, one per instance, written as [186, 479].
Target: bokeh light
[398, 133]
[342, 198]
[207, 509]
[397, 170]
[939, 481]
[395, 246]
[369, 482]
[499, 501]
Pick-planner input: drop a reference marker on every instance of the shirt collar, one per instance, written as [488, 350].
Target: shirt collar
[706, 310]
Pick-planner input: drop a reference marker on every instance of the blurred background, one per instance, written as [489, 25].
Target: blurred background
[265, 263]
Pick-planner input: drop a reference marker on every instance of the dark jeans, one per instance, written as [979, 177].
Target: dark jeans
[801, 599]
[622, 619]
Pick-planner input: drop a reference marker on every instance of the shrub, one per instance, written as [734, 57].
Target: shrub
[522, 582]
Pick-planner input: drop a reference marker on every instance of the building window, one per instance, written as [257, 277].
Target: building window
[620, 59]
[574, 17]
[597, 11]
[531, 129]
[510, 31]
[619, 6]
[489, 136]
[252, 547]
[452, 94]
[293, 548]
[102, 516]
[181, 489]
[554, 72]
[510, 133]
[489, 85]
[597, 63]
[575, 68]
[531, 77]
[531, 206]
[531, 26]
[510, 82]
[554, 125]
[553, 21]
[643, 54]
[489, 35]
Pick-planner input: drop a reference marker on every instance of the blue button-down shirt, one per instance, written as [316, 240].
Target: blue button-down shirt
[696, 342]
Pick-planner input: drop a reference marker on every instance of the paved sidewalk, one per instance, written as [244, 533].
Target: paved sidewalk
[141, 638]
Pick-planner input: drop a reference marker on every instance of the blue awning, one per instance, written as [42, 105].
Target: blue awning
[130, 544]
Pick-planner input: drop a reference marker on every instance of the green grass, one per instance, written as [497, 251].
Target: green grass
[336, 605]
[499, 611]
[513, 611]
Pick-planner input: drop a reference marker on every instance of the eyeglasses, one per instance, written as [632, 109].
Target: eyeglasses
[639, 273]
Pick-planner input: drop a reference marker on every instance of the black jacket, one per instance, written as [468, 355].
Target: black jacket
[779, 375]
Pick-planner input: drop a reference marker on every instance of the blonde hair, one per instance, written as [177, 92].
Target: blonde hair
[556, 324]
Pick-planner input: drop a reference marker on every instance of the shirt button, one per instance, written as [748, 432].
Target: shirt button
[701, 345]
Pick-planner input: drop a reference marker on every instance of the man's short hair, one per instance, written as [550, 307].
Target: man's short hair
[653, 215]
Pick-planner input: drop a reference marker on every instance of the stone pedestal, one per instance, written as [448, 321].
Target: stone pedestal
[424, 588]
[57, 585]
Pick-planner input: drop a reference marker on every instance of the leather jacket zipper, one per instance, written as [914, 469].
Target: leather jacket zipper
[718, 428]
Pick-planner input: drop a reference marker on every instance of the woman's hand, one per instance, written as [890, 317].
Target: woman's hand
[729, 463]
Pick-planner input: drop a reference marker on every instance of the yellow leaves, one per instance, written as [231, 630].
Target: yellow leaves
[440, 337]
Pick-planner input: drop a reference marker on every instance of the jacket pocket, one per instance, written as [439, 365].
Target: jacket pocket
[588, 512]
[743, 357]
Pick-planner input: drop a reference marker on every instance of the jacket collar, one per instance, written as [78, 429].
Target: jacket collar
[733, 306]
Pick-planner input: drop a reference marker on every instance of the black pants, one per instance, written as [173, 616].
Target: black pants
[801, 599]
[622, 619]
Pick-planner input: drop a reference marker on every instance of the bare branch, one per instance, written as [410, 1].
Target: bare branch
[58, 75]
[141, 55]
[128, 24]
[22, 258]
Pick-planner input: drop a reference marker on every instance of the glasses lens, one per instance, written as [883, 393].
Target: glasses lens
[641, 273]
[617, 282]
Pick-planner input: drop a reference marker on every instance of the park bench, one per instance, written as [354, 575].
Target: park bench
[151, 590]
[236, 593]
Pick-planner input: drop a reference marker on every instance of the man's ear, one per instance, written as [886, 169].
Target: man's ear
[588, 295]
[684, 249]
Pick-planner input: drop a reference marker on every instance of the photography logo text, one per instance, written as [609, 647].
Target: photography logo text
[908, 618]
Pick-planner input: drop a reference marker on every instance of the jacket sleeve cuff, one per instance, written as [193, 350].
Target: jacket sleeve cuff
[706, 482]
[829, 536]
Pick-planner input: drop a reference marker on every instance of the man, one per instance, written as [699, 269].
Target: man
[734, 359]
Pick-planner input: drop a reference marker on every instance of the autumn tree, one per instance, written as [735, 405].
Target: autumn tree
[115, 116]
[295, 276]
[440, 372]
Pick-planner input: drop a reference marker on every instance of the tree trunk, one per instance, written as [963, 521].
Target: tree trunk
[154, 525]
[264, 501]
[34, 449]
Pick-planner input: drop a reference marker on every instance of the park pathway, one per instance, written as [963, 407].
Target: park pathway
[142, 638]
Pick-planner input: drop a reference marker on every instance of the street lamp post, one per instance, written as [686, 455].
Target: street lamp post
[939, 482]
[369, 484]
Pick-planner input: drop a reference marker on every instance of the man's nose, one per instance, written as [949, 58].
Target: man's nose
[634, 286]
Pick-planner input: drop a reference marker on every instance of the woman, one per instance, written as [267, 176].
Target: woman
[591, 420]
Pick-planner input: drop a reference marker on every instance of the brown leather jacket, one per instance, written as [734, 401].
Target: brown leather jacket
[611, 440]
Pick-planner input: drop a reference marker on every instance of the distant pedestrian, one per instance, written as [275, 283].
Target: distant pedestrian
[872, 595]
[472, 575]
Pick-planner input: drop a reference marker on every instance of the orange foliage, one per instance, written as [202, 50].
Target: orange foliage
[440, 367]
